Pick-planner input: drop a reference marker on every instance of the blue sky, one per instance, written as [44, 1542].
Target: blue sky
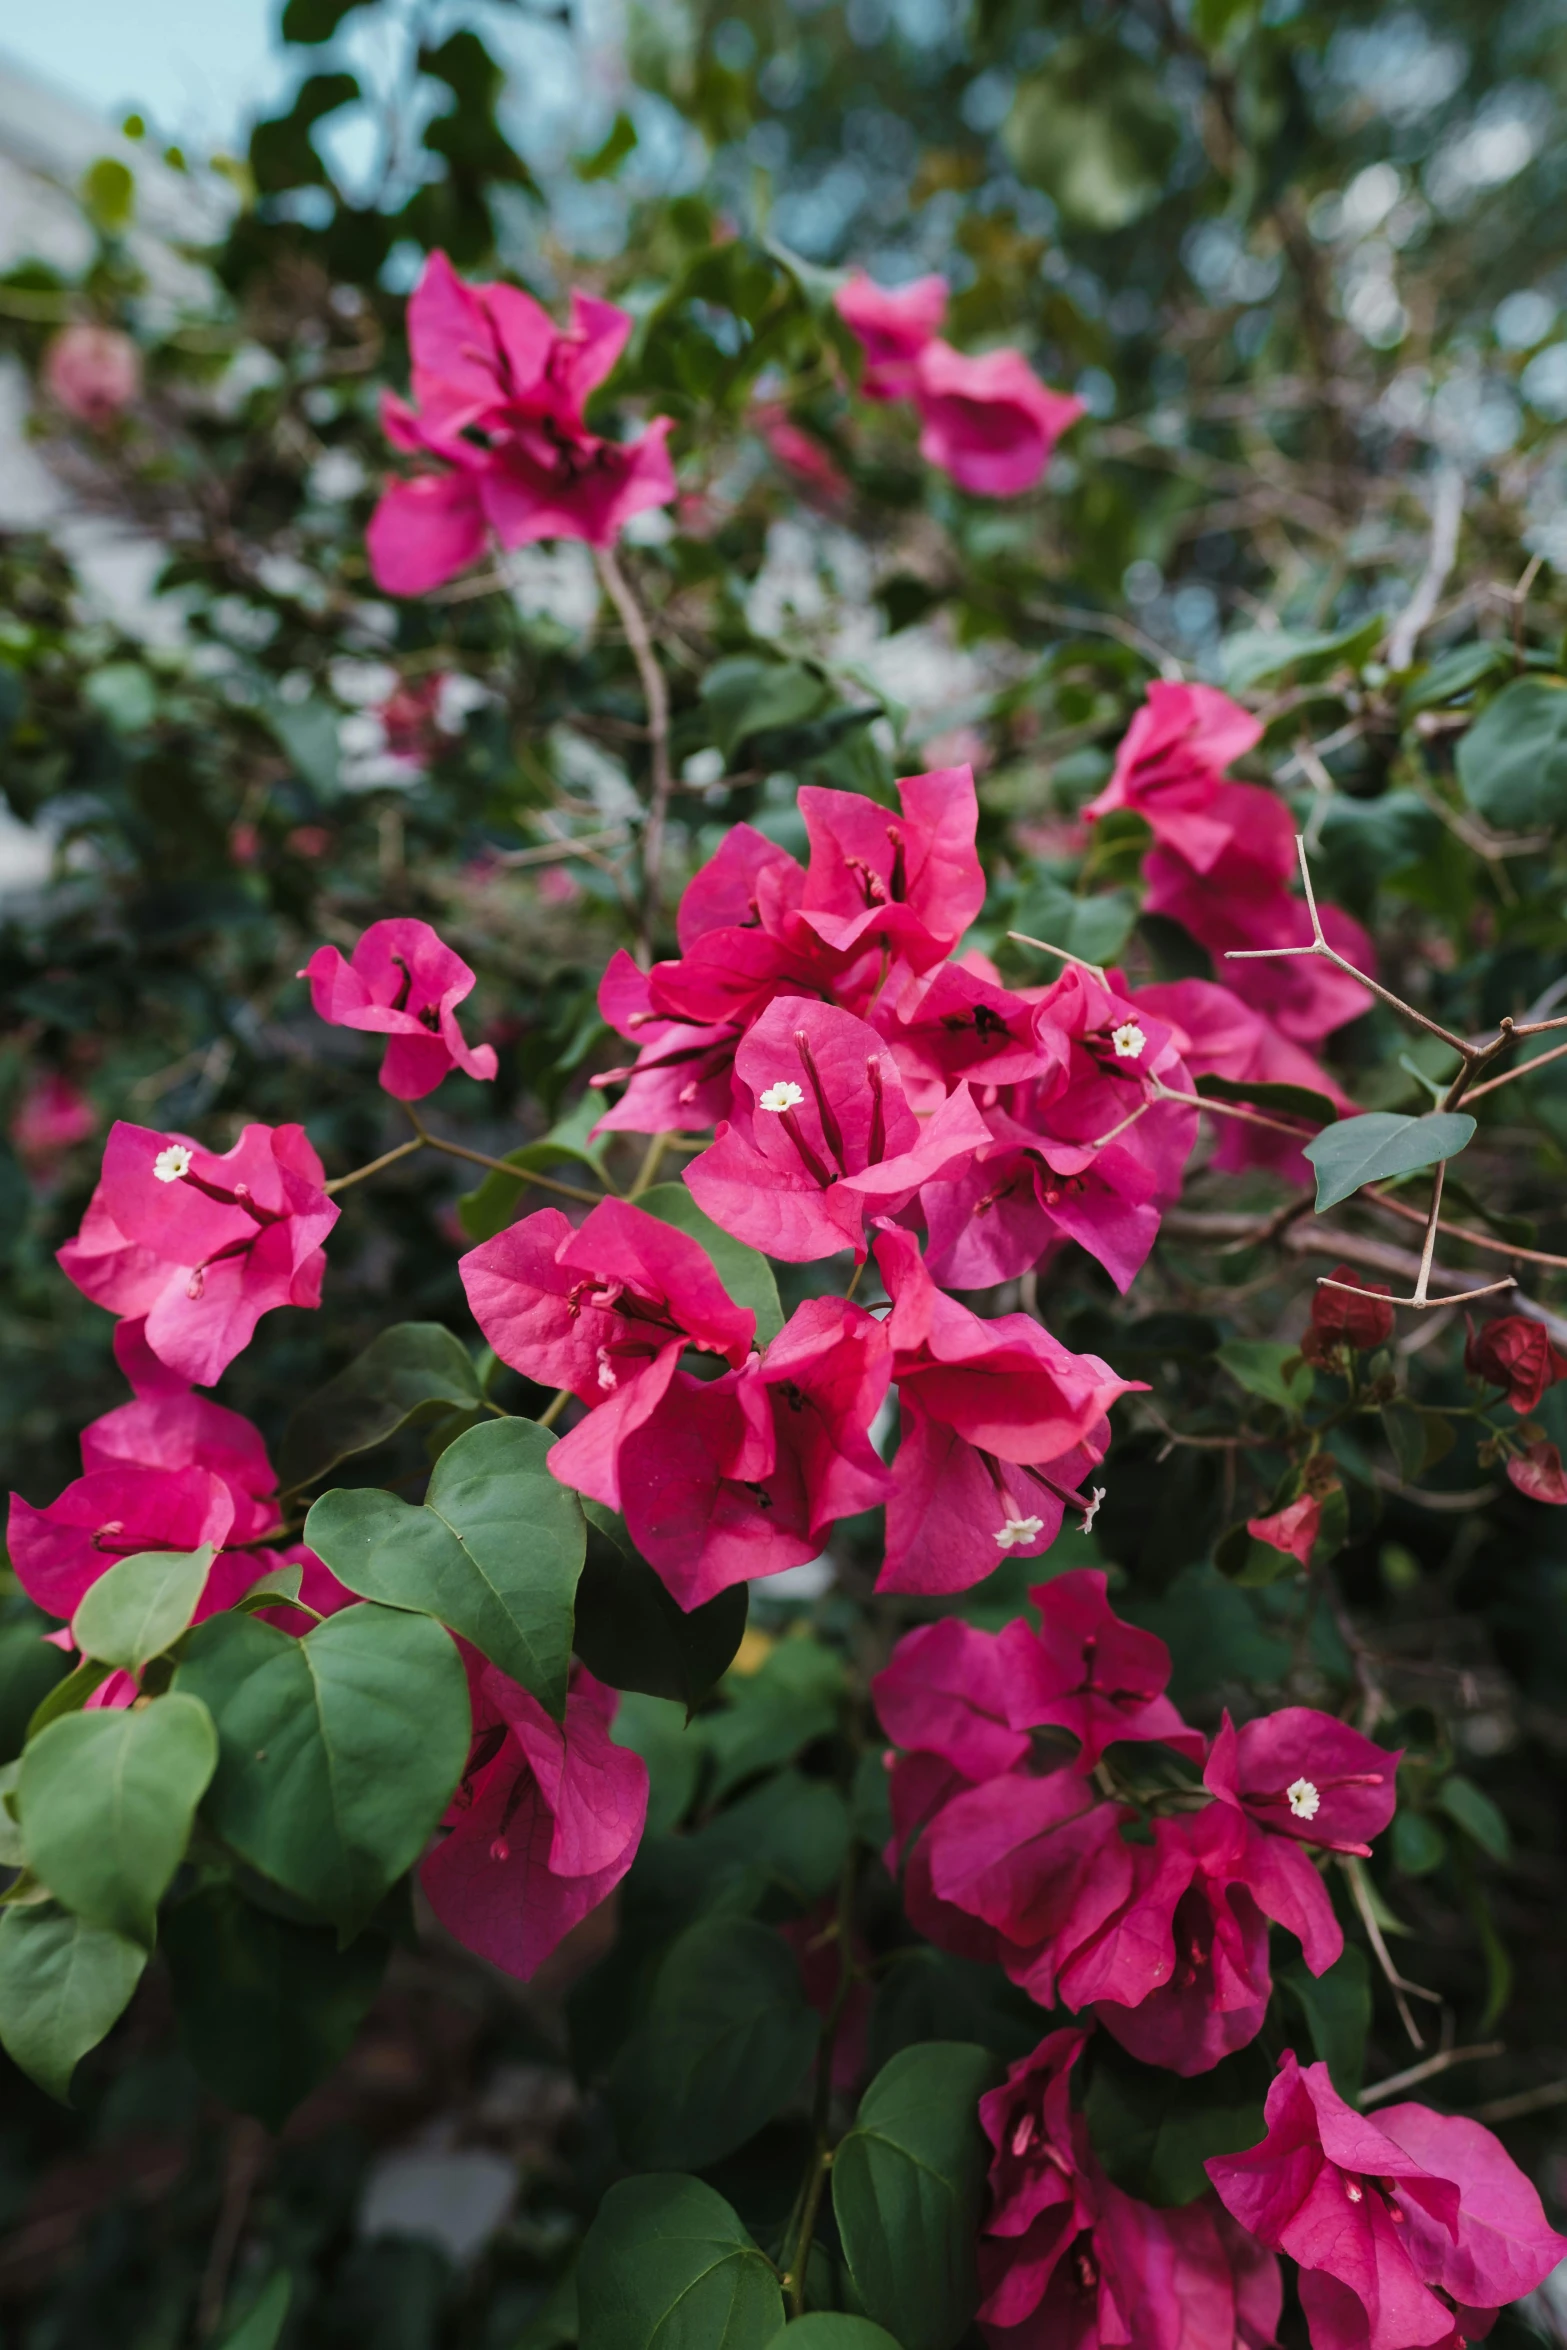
[188, 64]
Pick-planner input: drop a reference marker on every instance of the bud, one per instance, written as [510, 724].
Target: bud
[1515, 1353]
[1339, 1320]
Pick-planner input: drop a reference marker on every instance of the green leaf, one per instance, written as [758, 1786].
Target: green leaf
[1289, 1101]
[1455, 674]
[493, 1204]
[793, 1700]
[315, 20]
[109, 192]
[30, 1668]
[1477, 1815]
[69, 1695]
[63, 1983]
[1419, 1845]
[745, 695]
[929, 1994]
[607, 159]
[1091, 126]
[1337, 2008]
[1153, 2131]
[266, 2008]
[834, 2329]
[493, 1552]
[1271, 1369]
[727, 2038]
[1380, 1143]
[631, 1634]
[745, 1272]
[788, 1834]
[1262, 656]
[666, 2265]
[106, 1802]
[338, 1753]
[657, 1729]
[408, 1374]
[1512, 762]
[907, 2187]
[261, 2326]
[140, 1605]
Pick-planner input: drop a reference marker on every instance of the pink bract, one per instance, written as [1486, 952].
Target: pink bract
[1293, 1529]
[892, 325]
[1170, 761]
[200, 1244]
[1305, 1774]
[1409, 2226]
[1087, 1671]
[944, 1692]
[93, 372]
[499, 393]
[1218, 1035]
[545, 1824]
[988, 421]
[404, 983]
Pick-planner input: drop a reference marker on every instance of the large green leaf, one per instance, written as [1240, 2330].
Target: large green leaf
[338, 1753]
[1379, 1144]
[666, 2265]
[1153, 2131]
[1337, 2008]
[409, 1373]
[631, 1634]
[493, 1552]
[834, 2329]
[907, 2185]
[266, 2008]
[62, 1984]
[493, 1204]
[140, 1605]
[727, 2039]
[744, 1272]
[1512, 762]
[775, 1712]
[30, 1667]
[1270, 1368]
[106, 1802]
[261, 2326]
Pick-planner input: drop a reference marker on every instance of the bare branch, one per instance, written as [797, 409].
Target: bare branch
[1447, 513]
[656, 695]
[1064, 954]
[1427, 2071]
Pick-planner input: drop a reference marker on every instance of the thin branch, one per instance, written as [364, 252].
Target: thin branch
[1428, 2070]
[1395, 1981]
[1520, 1069]
[1447, 513]
[1421, 1304]
[374, 1166]
[1106, 624]
[1513, 2109]
[656, 696]
[520, 1175]
[554, 850]
[1485, 1240]
[1064, 954]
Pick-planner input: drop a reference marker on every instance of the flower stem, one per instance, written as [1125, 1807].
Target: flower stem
[655, 695]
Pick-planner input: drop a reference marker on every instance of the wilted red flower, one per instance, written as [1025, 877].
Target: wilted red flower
[1516, 1353]
[1338, 1320]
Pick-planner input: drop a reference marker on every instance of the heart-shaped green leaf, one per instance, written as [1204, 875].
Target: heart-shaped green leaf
[1380, 1143]
[338, 1753]
[408, 1373]
[140, 1605]
[62, 1984]
[744, 1272]
[494, 1552]
[667, 2265]
[106, 1802]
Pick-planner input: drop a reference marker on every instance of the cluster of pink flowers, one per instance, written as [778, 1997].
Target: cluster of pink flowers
[1412, 2229]
[986, 420]
[497, 416]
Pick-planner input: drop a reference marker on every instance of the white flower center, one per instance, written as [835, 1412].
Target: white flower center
[1354, 2190]
[171, 1163]
[1303, 1799]
[1019, 1530]
[1092, 1511]
[607, 1378]
[784, 1095]
[1128, 1040]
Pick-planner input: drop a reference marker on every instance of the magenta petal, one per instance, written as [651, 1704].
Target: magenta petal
[424, 531]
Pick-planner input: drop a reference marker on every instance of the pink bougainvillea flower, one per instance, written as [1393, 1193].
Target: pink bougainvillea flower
[1000, 1424]
[912, 880]
[962, 1023]
[1293, 1529]
[499, 393]
[1068, 2261]
[740, 1476]
[801, 453]
[1231, 905]
[1538, 1472]
[605, 1310]
[1170, 762]
[680, 1080]
[60, 1552]
[919, 1786]
[945, 1692]
[822, 1136]
[1087, 1671]
[185, 1431]
[988, 421]
[404, 983]
[1339, 1319]
[1179, 1974]
[1411, 2228]
[545, 1824]
[1515, 1353]
[93, 373]
[1087, 1151]
[1306, 1774]
[51, 1118]
[1220, 1036]
[200, 1243]
[892, 325]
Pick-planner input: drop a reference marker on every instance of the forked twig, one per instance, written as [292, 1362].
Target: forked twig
[1396, 1982]
[1064, 954]
[1441, 2063]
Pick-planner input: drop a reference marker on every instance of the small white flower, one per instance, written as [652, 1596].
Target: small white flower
[1303, 1799]
[1129, 1040]
[1019, 1530]
[607, 1379]
[172, 1162]
[1092, 1511]
[1354, 2190]
[785, 1095]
